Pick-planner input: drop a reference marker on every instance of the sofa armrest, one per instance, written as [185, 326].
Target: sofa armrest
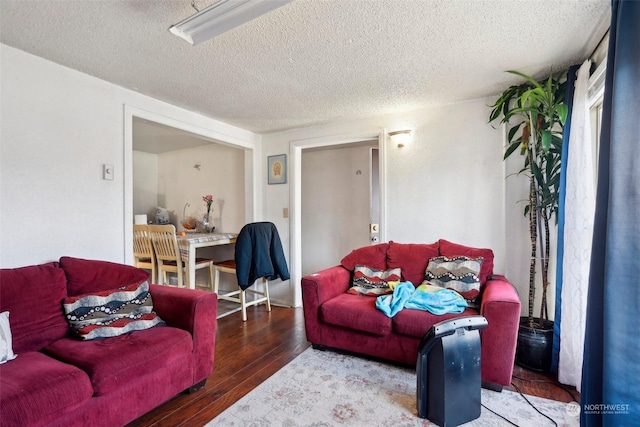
[500, 305]
[498, 289]
[326, 284]
[318, 288]
[194, 311]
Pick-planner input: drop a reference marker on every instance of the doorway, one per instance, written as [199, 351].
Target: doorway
[239, 140]
[173, 169]
[340, 196]
[295, 223]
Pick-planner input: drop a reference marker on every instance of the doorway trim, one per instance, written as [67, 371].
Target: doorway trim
[295, 219]
[252, 168]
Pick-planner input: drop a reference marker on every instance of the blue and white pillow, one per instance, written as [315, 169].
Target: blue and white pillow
[111, 313]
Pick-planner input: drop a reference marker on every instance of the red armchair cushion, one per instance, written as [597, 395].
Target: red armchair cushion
[411, 258]
[33, 296]
[372, 256]
[111, 361]
[85, 276]
[356, 312]
[450, 250]
[34, 389]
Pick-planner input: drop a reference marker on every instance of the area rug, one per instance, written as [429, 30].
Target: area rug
[323, 388]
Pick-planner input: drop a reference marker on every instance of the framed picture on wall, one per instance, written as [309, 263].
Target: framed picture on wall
[277, 167]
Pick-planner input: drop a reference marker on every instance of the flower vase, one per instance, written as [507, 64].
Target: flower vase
[206, 224]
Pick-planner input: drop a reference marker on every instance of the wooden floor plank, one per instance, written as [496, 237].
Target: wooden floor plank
[247, 353]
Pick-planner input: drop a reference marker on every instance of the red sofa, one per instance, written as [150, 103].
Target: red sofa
[59, 380]
[339, 320]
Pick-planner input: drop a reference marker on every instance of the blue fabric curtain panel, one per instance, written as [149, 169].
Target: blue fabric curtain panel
[611, 368]
[557, 317]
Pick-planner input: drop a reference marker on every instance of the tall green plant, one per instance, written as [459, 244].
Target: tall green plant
[535, 115]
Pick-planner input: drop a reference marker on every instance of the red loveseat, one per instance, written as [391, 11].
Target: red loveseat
[59, 380]
[337, 319]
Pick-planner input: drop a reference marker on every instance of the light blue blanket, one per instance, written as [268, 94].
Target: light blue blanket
[433, 299]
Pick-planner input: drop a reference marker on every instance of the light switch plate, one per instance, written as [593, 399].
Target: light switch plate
[285, 212]
[107, 172]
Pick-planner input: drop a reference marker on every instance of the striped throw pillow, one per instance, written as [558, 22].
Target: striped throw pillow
[458, 273]
[111, 313]
[372, 282]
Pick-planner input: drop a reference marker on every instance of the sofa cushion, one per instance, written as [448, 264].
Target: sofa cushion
[374, 256]
[33, 295]
[356, 312]
[450, 249]
[111, 313]
[85, 276]
[371, 282]
[411, 258]
[416, 323]
[111, 361]
[459, 274]
[34, 389]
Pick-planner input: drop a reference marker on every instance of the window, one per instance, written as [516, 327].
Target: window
[596, 98]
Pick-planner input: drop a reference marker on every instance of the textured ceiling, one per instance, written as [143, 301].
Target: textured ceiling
[312, 61]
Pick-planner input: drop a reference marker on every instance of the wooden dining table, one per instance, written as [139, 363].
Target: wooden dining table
[192, 241]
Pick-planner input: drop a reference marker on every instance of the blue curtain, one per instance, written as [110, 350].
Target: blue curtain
[611, 368]
[557, 318]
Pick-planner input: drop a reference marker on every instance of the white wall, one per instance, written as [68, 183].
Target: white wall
[448, 183]
[335, 205]
[59, 127]
[145, 183]
[221, 174]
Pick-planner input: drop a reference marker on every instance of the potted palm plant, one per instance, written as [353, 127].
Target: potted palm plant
[535, 114]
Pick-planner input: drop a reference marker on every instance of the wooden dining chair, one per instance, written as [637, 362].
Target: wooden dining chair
[261, 239]
[143, 253]
[239, 296]
[169, 258]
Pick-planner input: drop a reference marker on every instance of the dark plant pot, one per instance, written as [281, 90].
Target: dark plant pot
[535, 345]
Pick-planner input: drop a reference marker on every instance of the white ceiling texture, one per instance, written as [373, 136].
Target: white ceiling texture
[311, 62]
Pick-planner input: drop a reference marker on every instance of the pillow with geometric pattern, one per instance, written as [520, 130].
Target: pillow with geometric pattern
[372, 282]
[458, 273]
[111, 313]
[451, 249]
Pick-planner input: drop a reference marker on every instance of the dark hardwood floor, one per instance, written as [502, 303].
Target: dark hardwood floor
[247, 353]
[542, 385]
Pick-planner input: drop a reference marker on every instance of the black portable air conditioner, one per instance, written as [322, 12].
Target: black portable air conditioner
[448, 370]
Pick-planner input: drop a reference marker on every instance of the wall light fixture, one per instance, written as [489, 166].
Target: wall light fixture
[222, 16]
[400, 137]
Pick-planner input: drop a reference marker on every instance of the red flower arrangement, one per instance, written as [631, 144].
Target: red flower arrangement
[208, 199]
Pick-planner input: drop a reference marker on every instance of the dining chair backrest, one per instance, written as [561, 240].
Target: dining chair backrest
[165, 242]
[143, 253]
[142, 246]
[169, 257]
